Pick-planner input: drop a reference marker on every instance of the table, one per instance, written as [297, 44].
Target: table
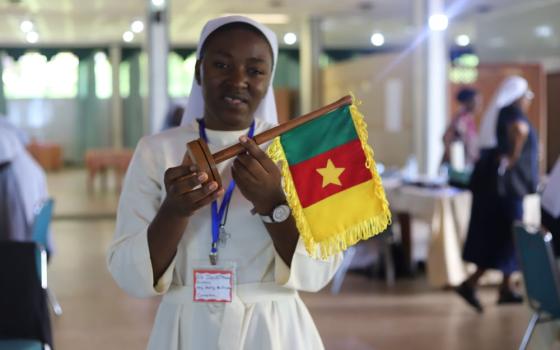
[47, 154]
[447, 212]
[98, 161]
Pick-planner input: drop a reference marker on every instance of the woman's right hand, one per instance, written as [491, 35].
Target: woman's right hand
[186, 190]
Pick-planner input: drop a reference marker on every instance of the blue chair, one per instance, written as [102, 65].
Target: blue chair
[22, 344]
[40, 235]
[24, 320]
[541, 276]
[40, 229]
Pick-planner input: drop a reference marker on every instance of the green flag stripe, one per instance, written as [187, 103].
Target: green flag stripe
[319, 135]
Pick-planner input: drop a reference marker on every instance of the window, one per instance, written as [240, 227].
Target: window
[32, 76]
[181, 74]
[103, 76]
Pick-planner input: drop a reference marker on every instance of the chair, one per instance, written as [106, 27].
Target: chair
[24, 320]
[540, 273]
[386, 238]
[40, 235]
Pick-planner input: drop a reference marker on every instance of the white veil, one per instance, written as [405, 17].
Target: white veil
[267, 109]
[511, 89]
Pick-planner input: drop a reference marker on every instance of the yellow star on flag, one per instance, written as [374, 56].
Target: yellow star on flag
[330, 174]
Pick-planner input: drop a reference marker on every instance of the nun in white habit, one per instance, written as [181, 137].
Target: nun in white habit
[506, 171]
[23, 188]
[167, 228]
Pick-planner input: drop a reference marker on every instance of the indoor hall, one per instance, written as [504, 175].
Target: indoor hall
[82, 83]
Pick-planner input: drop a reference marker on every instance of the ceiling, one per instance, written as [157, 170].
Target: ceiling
[501, 26]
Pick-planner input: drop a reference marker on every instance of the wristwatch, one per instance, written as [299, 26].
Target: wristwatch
[280, 213]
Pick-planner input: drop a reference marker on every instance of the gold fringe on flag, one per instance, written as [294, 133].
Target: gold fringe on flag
[338, 241]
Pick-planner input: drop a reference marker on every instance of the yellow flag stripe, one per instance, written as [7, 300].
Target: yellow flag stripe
[340, 211]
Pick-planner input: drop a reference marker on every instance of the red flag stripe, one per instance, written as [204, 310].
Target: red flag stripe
[309, 183]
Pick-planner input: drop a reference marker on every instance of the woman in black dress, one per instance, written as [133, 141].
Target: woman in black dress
[507, 170]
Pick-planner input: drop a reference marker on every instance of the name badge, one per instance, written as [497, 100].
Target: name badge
[212, 286]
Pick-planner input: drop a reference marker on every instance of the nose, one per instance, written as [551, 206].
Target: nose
[238, 77]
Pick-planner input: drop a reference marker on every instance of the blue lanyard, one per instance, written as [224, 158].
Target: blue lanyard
[218, 214]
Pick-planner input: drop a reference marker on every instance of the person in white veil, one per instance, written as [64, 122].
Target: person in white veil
[506, 171]
[229, 278]
[24, 188]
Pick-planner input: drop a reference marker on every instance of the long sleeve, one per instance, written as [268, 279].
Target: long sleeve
[128, 257]
[306, 273]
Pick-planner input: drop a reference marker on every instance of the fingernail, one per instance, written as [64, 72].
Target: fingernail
[243, 138]
[202, 176]
[192, 168]
[213, 186]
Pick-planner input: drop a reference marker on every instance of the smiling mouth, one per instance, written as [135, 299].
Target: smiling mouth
[235, 101]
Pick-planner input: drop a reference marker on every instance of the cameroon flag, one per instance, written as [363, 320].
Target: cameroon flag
[331, 181]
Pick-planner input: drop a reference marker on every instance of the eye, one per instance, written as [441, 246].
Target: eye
[221, 65]
[255, 71]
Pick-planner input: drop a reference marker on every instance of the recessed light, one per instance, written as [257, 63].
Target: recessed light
[32, 37]
[128, 36]
[438, 22]
[462, 40]
[26, 26]
[137, 26]
[290, 38]
[377, 39]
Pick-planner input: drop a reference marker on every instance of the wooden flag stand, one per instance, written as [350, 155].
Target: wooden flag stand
[199, 152]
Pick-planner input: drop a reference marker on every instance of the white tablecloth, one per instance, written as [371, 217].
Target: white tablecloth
[447, 212]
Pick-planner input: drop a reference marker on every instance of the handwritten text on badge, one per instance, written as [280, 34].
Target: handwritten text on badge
[213, 286]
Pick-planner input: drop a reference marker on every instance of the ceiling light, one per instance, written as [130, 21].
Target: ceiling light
[266, 18]
[32, 37]
[377, 39]
[462, 40]
[290, 38]
[26, 26]
[137, 26]
[438, 22]
[543, 31]
[128, 36]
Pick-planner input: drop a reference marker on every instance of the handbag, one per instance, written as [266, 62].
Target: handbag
[515, 182]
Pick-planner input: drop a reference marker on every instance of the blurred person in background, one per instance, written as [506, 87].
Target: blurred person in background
[174, 116]
[23, 187]
[462, 131]
[506, 171]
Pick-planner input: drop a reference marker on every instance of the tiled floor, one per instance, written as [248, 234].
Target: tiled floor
[365, 316]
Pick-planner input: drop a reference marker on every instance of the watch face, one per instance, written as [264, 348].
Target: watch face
[281, 213]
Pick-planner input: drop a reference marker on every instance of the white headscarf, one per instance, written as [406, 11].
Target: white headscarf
[267, 109]
[10, 145]
[512, 88]
[22, 135]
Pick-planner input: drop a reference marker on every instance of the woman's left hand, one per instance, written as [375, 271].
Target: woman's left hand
[257, 177]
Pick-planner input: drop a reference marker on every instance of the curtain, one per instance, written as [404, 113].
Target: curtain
[287, 71]
[89, 128]
[133, 111]
[3, 104]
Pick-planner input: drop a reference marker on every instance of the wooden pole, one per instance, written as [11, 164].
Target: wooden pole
[268, 135]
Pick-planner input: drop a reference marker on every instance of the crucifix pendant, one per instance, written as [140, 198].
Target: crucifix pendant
[224, 235]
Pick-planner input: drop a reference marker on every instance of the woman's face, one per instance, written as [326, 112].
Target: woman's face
[234, 74]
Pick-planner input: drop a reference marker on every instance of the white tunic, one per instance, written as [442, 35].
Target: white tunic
[266, 311]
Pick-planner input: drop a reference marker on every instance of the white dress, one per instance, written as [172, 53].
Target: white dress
[266, 311]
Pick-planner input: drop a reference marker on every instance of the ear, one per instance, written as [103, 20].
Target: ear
[197, 74]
